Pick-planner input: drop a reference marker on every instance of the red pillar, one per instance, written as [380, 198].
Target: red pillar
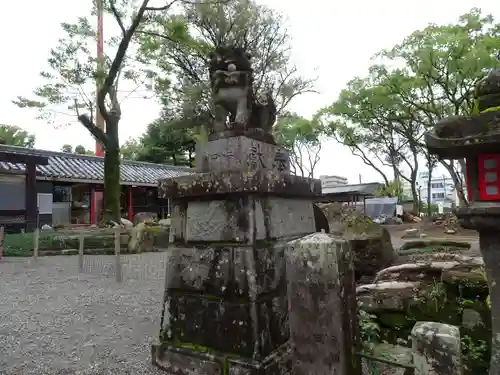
[130, 208]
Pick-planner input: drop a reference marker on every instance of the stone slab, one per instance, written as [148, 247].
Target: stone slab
[278, 363]
[288, 217]
[182, 362]
[217, 220]
[188, 362]
[241, 272]
[230, 219]
[211, 184]
[240, 152]
[254, 133]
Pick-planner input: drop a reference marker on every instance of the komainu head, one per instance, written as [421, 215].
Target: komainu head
[230, 59]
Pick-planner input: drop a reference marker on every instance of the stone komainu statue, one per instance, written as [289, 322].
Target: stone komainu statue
[231, 79]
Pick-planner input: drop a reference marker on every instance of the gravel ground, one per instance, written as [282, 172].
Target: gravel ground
[54, 320]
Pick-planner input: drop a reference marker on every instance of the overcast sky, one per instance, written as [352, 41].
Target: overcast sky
[333, 40]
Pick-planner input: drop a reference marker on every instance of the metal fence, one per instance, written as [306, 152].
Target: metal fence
[138, 266]
[101, 264]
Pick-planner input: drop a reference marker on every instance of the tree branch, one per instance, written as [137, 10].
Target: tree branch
[96, 132]
[117, 62]
[165, 7]
[117, 16]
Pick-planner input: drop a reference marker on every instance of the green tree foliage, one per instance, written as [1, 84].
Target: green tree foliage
[72, 75]
[130, 149]
[166, 142]
[79, 150]
[427, 77]
[393, 189]
[67, 148]
[374, 124]
[73, 69]
[302, 137]
[15, 136]
[179, 45]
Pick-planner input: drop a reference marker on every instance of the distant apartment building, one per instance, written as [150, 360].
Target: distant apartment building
[443, 192]
[332, 181]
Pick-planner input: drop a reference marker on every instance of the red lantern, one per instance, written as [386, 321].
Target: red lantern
[488, 177]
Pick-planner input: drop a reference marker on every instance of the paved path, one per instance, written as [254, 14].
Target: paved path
[54, 320]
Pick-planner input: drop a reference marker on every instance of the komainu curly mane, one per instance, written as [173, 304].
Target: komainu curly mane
[231, 79]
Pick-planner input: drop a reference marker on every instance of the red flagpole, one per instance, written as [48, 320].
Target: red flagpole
[100, 69]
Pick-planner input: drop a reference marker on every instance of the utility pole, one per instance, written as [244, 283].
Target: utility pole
[99, 120]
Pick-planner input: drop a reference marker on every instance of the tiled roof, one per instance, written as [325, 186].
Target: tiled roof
[360, 189]
[71, 167]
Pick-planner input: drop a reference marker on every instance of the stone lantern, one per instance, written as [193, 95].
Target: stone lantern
[476, 138]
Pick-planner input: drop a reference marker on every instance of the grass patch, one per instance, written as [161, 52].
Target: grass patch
[22, 244]
[431, 246]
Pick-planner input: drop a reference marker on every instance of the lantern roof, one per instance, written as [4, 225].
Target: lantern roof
[461, 136]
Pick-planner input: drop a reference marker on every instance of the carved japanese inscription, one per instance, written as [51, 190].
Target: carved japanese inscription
[241, 153]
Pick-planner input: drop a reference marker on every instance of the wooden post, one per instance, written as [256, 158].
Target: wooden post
[31, 198]
[2, 230]
[118, 263]
[80, 252]
[35, 244]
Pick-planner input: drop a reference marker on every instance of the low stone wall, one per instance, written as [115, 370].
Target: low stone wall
[323, 325]
[435, 349]
[446, 288]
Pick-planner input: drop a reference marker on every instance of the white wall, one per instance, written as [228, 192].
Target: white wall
[442, 189]
[331, 181]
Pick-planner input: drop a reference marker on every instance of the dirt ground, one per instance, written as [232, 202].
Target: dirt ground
[431, 230]
[435, 232]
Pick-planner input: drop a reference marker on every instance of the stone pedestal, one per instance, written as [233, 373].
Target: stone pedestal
[241, 153]
[225, 304]
[485, 218]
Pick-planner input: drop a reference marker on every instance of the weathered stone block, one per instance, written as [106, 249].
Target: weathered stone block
[236, 153]
[278, 364]
[211, 323]
[184, 362]
[227, 299]
[322, 305]
[287, 217]
[436, 349]
[241, 272]
[212, 184]
[242, 219]
[249, 330]
[217, 220]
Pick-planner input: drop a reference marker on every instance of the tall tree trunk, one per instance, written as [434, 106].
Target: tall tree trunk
[416, 199]
[457, 181]
[397, 179]
[429, 189]
[112, 173]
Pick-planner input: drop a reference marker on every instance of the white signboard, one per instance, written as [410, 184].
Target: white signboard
[44, 203]
[399, 210]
